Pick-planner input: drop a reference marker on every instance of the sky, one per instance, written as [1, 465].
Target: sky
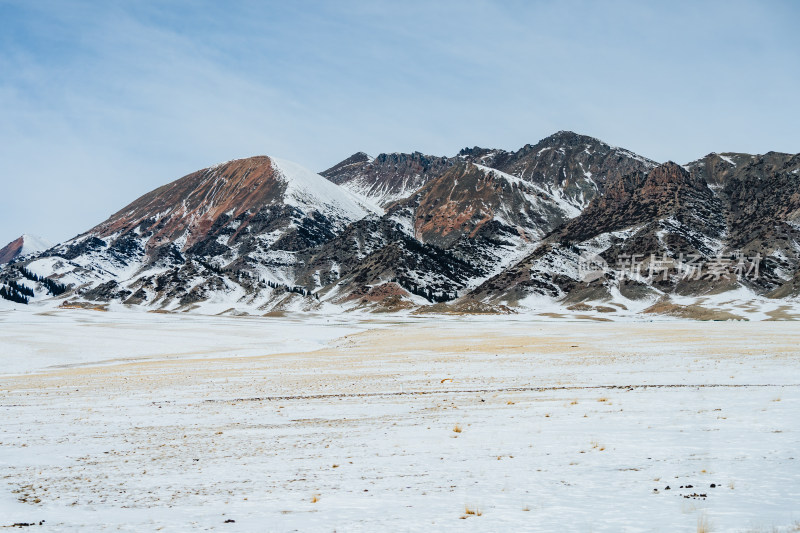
[101, 102]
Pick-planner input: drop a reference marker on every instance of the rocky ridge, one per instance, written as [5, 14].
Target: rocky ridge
[487, 227]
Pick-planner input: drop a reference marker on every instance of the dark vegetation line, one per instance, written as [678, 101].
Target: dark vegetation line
[506, 389]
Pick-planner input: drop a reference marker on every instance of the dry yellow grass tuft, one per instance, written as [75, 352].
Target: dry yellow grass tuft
[703, 524]
[315, 498]
[457, 428]
[469, 511]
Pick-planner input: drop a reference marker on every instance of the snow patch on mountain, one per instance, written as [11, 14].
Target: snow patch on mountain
[22, 246]
[382, 193]
[32, 244]
[307, 191]
[534, 192]
[627, 153]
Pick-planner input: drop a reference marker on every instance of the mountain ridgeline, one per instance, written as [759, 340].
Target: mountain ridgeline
[569, 221]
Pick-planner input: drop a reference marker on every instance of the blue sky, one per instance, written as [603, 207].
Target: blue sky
[101, 102]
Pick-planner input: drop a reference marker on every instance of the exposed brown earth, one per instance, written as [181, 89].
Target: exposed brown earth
[11, 250]
[693, 312]
[195, 202]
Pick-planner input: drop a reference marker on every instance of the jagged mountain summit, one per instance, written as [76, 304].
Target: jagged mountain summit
[484, 230]
[670, 235]
[567, 164]
[388, 177]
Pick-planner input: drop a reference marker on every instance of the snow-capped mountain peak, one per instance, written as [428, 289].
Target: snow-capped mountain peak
[24, 245]
[33, 243]
[308, 189]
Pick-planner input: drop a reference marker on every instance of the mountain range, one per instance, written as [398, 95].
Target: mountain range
[568, 225]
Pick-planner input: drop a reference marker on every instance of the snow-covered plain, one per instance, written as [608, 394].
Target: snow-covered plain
[144, 422]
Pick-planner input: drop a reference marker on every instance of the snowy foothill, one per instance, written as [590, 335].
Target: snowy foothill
[124, 421]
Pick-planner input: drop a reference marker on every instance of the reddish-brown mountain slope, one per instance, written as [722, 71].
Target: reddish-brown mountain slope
[194, 202]
[10, 251]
